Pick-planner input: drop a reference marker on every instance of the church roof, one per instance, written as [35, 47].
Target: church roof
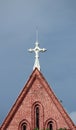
[36, 74]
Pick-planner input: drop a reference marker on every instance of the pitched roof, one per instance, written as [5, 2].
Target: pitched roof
[37, 74]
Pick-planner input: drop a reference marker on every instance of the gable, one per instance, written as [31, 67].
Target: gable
[37, 91]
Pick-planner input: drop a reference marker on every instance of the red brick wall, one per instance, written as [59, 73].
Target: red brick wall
[37, 94]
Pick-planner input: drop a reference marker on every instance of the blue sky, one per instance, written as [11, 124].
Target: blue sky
[56, 23]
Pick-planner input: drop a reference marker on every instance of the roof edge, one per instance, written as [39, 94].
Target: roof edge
[19, 99]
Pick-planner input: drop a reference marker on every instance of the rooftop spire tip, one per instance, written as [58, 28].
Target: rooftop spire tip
[36, 50]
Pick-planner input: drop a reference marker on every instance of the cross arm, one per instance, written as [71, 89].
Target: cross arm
[42, 50]
[31, 50]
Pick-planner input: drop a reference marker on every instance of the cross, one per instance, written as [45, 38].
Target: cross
[37, 49]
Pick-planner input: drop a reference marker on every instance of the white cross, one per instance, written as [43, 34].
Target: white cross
[37, 50]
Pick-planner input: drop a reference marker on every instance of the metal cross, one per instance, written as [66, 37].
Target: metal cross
[37, 49]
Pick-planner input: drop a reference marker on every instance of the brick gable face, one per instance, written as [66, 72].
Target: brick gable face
[37, 94]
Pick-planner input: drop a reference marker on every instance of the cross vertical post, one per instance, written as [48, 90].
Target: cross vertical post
[36, 50]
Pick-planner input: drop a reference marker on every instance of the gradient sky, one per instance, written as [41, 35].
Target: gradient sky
[56, 23]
